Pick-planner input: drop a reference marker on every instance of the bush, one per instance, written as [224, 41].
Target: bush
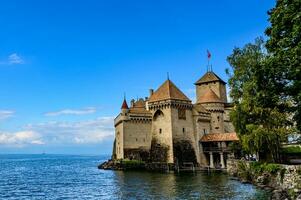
[259, 168]
[244, 172]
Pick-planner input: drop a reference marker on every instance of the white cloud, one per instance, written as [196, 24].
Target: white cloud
[81, 132]
[12, 59]
[15, 59]
[4, 114]
[61, 133]
[20, 138]
[84, 111]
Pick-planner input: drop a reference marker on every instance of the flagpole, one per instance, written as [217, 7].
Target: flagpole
[208, 68]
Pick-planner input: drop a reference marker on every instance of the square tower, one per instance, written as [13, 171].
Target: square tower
[211, 81]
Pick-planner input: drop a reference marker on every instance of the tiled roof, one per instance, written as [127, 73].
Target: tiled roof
[200, 108]
[124, 105]
[209, 97]
[138, 107]
[139, 111]
[167, 91]
[219, 137]
[209, 77]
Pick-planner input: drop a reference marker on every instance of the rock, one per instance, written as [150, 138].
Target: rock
[263, 179]
[299, 197]
[279, 195]
[107, 165]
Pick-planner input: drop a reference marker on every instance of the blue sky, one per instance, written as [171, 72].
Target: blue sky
[64, 65]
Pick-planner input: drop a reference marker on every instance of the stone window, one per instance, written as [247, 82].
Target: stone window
[218, 118]
[160, 130]
[182, 113]
[204, 131]
[183, 130]
[136, 139]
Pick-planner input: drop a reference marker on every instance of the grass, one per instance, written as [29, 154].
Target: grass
[292, 150]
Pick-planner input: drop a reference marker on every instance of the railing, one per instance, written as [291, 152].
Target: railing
[216, 149]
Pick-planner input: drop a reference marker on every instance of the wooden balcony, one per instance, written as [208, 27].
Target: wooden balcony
[216, 149]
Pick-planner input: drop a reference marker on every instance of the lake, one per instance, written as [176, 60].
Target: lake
[77, 177]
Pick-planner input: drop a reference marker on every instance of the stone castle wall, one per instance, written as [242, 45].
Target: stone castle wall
[183, 129]
[162, 129]
[119, 137]
[137, 134]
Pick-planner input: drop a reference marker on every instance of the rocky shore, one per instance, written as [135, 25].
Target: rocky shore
[122, 165]
[284, 181]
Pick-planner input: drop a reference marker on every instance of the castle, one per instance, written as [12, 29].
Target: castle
[176, 130]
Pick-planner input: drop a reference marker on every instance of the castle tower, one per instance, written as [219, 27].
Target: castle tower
[172, 118]
[118, 149]
[211, 81]
[213, 104]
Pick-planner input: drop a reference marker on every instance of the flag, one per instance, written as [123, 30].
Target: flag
[208, 54]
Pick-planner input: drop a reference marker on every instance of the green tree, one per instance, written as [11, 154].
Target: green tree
[259, 113]
[284, 48]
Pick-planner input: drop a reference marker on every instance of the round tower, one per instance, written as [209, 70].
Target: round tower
[215, 106]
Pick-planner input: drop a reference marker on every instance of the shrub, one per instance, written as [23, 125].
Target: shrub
[244, 171]
[259, 168]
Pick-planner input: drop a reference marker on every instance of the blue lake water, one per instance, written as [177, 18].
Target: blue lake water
[77, 177]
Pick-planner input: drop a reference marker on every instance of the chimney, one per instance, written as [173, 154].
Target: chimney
[132, 102]
[151, 92]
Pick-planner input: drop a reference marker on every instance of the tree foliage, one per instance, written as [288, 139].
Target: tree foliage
[265, 83]
[258, 114]
[284, 47]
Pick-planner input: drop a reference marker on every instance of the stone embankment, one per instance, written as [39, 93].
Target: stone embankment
[122, 165]
[283, 180]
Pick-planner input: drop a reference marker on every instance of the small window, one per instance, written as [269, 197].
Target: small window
[182, 113]
[183, 130]
[143, 139]
[160, 130]
[216, 127]
[204, 131]
[136, 139]
[218, 118]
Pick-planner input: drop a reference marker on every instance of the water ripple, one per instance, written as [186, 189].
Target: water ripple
[77, 177]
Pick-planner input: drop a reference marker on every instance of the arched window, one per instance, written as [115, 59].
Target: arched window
[158, 114]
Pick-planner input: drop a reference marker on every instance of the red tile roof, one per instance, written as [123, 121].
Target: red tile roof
[168, 90]
[138, 107]
[124, 105]
[219, 137]
[209, 97]
[209, 77]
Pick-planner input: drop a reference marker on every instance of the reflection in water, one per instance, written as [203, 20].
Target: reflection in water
[77, 177]
[145, 185]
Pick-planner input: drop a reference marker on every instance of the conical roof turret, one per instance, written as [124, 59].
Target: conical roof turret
[124, 104]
